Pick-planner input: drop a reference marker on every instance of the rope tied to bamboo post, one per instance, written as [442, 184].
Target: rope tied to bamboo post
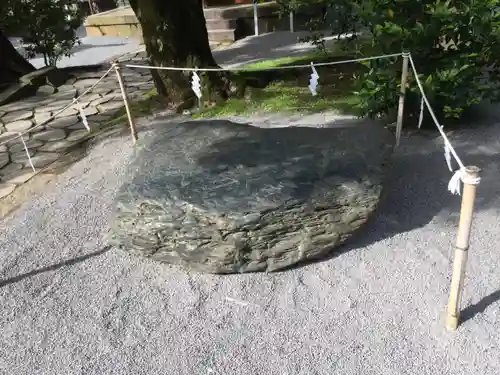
[470, 177]
[462, 175]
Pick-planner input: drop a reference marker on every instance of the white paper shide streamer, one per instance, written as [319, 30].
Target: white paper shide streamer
[27, 152]
[195, 84]
[313, 82]
[421, 117]
[83, 116]
[454, 184]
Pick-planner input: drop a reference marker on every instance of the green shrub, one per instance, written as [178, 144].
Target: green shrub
[455, 46]
[47, 27]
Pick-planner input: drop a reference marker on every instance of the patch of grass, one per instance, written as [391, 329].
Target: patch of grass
[288, 90]
[337, 51]
[282, 97]
[288, 60]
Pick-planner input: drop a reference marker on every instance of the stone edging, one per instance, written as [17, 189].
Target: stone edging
[48, 143]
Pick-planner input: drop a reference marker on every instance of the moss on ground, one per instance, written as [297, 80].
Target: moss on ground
[287, 90]
[284, 90]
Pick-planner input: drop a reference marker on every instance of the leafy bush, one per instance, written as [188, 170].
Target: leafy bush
[46, 27]
[455, 46]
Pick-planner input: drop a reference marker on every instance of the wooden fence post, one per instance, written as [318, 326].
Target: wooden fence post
[256, 17]
[133, 131]
[470, 178]
[402, 94]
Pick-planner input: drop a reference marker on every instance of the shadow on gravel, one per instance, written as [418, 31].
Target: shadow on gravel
[53, 267]
[471, 311]
[417, 188]
[416, 192]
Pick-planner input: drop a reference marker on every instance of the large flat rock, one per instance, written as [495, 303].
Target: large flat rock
[221, 197]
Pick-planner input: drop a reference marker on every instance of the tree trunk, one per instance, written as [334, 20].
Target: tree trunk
[12, 64]
[175, 34]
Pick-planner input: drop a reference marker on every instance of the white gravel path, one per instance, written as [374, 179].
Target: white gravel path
[69, 306]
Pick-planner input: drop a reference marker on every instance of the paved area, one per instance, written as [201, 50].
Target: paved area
[271, 45]
[49, 142]
[92, 50]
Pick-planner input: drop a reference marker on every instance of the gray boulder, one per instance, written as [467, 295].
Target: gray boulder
[221, 197]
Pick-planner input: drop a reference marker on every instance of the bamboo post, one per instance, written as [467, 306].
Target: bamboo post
[402, 94]
[133, 131]
[256, 17]
[470, 178]
[292, 23]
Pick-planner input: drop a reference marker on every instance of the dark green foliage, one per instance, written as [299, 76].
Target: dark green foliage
[47, 27]
[455, 46]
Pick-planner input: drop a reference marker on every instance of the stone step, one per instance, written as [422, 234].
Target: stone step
[221, 35]
[218, 13]
[239, 11]
[220, 24]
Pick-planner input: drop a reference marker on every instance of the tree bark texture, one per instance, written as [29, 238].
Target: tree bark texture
[175, 34]
[12, 64]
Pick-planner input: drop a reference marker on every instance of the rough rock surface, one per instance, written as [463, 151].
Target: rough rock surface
[222, 197]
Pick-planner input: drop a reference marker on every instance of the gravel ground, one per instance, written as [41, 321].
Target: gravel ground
[70, 305]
